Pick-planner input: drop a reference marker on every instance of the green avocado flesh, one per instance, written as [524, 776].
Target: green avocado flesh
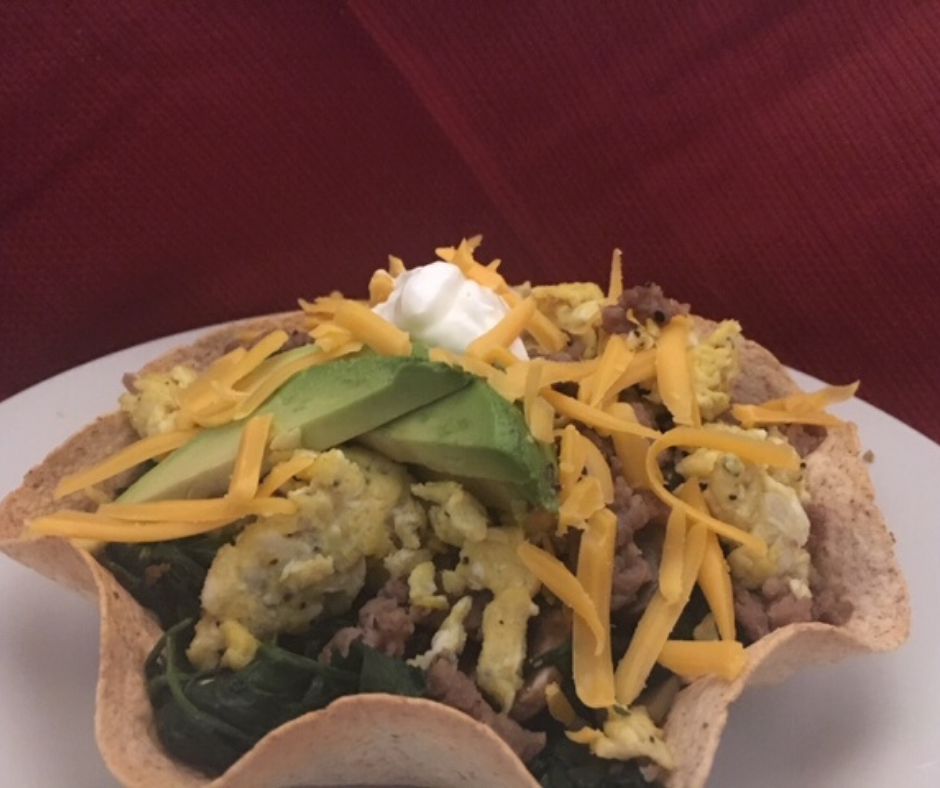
[322, 406]
[477, 437]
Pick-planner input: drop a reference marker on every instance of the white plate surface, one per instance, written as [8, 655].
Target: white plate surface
[872, 721]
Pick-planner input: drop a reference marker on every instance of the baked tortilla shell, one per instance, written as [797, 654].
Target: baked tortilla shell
[384, 740]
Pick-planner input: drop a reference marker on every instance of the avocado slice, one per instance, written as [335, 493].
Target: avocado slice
[477, 437]
[324, 405]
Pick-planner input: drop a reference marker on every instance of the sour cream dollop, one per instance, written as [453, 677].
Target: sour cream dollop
[437, 305]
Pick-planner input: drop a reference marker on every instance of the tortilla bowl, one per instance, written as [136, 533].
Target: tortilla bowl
[387, 740]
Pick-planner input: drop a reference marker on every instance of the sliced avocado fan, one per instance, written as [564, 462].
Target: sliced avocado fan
[320, 407]
[478, 438]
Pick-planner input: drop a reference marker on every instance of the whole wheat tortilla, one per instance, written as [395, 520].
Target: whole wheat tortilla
[384, 740]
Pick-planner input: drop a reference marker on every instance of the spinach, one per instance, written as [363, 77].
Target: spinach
[210, 718]
[166, 577]
[565, 764]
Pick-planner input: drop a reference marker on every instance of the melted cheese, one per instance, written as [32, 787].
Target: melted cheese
[129, 457]
[592, 663]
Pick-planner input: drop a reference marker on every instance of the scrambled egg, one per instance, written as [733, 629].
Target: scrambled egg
[357, 508]
[715, 365]
[492, 564]
[422, 588]
[770, 506]
[455, 515]
[284, 571]
[627, 734]
[152, 410]
[505, 623]
[451, 636]
[574, 307]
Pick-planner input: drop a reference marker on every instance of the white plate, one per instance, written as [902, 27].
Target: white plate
[872, 721]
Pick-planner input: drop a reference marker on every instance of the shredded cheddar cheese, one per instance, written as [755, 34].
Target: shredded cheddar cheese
[369, 328]
[714, 575]
[283, 472]
[775, 455]
[213, 392]
[95, 527]
[798, 408]
[129, 457]
[670, 567]
[236, 385]
[642, 369]
[592, 663]
[615, 287]
[196, 510]
[594, 417]
[614, 362]
[673, 373]
[693, 659]
[597, 468]
[583, 499]
[559, 706]
[555, 576]
[505, 332]
[631, 450]
[251, 449]
[657, 622]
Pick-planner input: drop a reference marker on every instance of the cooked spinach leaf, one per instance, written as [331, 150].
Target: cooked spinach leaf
[166, 577]
[210, 718]
[565, 764]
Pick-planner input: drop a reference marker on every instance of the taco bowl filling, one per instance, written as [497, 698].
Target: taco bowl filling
[548, 507]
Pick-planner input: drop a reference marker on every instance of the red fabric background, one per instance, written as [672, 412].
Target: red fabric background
[164, 167]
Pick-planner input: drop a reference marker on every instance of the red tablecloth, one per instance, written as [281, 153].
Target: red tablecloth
[164, 166]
